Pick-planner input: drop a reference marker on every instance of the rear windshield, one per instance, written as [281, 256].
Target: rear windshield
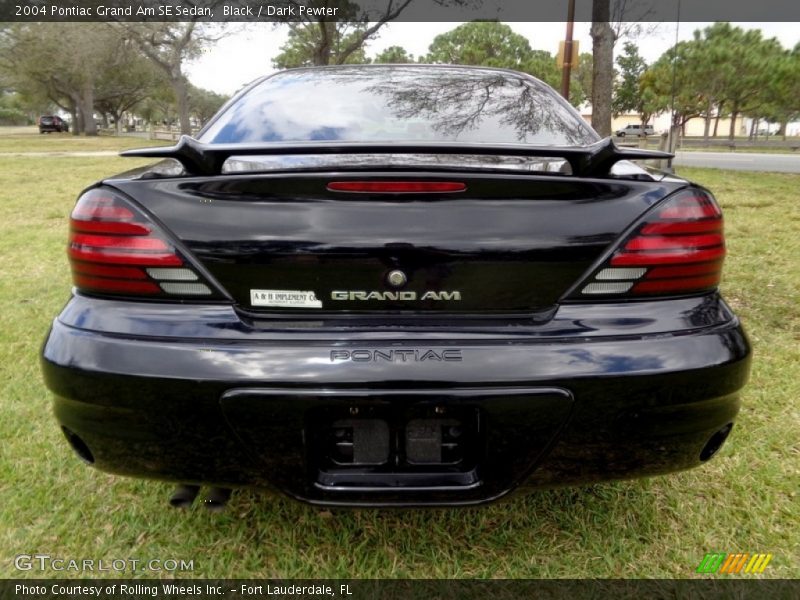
[400, 104]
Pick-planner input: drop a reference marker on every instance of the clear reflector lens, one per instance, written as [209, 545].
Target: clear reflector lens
[608, 288]
[186, 289]
[172, 274]
[615, 274]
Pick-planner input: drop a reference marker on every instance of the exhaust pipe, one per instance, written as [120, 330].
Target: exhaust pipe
[217, 498]
[184, 495]
[715, 442]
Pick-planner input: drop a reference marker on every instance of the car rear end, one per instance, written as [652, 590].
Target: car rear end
[48, 124]
[356, 327]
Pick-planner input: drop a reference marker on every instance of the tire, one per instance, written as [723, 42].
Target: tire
[621, 134]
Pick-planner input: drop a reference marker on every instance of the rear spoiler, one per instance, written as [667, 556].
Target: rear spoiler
[207, 159]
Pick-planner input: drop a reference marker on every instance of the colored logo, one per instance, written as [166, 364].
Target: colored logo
[734, 563]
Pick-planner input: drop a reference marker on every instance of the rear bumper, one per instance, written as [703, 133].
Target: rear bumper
[597, 393]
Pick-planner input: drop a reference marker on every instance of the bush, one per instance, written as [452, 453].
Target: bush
[13, 116]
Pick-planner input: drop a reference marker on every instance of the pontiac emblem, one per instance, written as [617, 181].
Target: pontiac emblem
[396, 278]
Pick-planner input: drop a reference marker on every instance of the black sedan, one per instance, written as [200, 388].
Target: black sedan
[395, 285]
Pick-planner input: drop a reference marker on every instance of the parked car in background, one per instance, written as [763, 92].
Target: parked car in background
[51, 123]
[394, 285]
[635, 130]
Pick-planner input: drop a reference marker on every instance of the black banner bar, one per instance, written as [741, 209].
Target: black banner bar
[391, 589]
[255, 11]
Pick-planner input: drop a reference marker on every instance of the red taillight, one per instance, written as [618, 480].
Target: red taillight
[397, 187]
[678, 249]
[114, 249]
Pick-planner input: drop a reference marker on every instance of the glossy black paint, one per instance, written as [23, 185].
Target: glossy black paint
[592, 160]
[530, 237]
[396, 402]
[198, 394]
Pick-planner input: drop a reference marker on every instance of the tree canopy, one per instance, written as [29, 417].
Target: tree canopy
[486, 43]
[169, 45]
[494, 44]
[723, 70]
[95, 68]
[315, 41]
[394, 55]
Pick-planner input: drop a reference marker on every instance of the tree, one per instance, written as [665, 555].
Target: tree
[485, 43]
[170, 45]
[542, 65]
[494, 44]
[204, 103]
[782, 96]
[747, 73]
[627, 93]
[159, 106]
[722, 67]
[678, 64]
[394, 55]
[580, 88]
[344, 44]
[603, 66]
[121, 89]
[612, 21]
[28, 62]
[315, 41]
[61, 62]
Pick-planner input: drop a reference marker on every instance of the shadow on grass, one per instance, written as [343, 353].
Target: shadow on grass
[529, 534]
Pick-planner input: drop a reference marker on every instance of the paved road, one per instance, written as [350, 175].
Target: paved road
[740, 161]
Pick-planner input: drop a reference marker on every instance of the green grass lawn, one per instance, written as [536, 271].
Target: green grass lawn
[28, 139]
[745, 500]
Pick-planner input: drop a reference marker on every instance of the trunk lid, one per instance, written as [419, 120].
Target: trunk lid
[285, 242]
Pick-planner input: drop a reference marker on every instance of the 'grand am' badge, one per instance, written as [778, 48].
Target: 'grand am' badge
[386, 296]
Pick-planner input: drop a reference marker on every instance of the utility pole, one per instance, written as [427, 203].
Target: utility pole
[567, 67]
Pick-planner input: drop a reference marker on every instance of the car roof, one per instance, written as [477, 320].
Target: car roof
[389, 66]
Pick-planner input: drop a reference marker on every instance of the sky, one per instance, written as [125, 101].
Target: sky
[247, 52]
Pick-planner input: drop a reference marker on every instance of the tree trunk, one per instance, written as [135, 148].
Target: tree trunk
[602, 67]
[754, 128]
[182, 98]
[87, 108]
[75, 126]
[674, 132]
[734, 116]
[322, 51]
[707, 128]
[782, 131]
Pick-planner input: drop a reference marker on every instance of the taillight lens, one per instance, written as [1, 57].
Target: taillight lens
[114, 249]
[678, 249]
